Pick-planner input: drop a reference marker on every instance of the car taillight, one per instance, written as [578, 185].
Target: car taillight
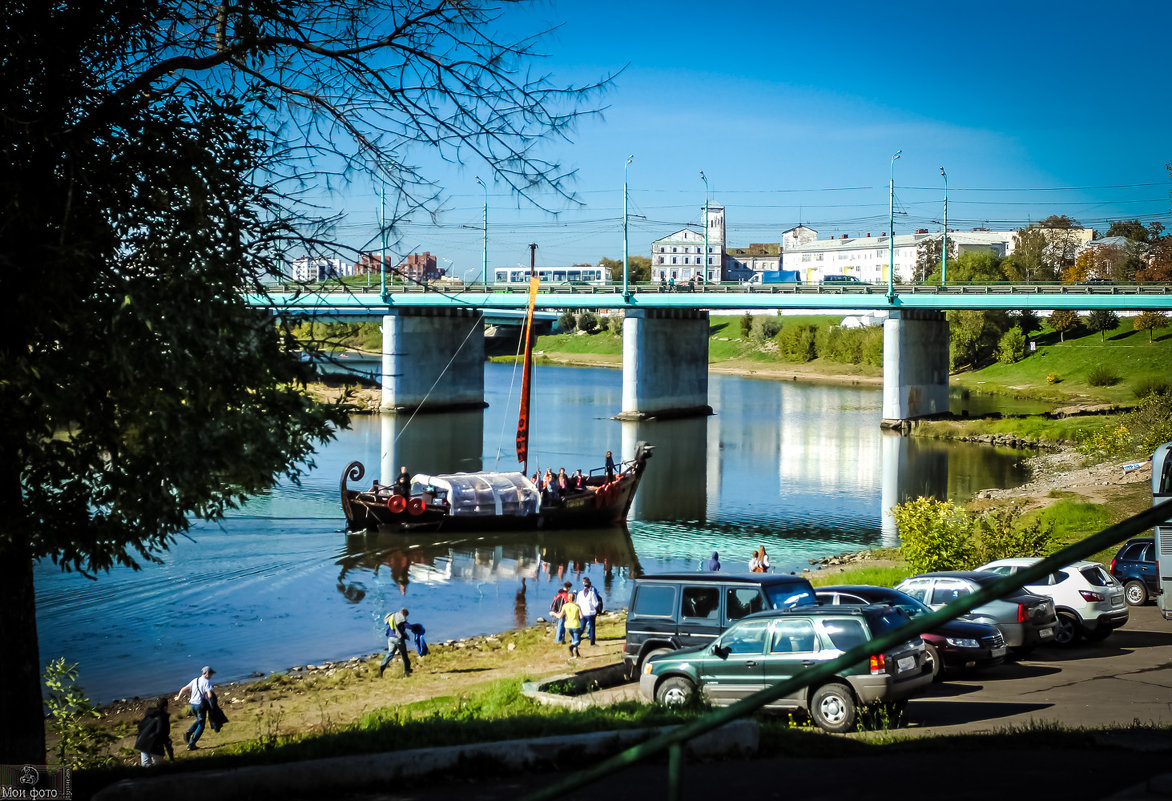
[1087, 595]
[878, 664]
[1023, 614]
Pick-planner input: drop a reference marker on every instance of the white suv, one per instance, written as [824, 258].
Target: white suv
[1088, 599]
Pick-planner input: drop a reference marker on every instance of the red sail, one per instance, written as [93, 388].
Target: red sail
[523, 418]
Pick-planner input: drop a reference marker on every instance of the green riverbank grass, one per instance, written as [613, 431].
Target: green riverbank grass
[1061, 370]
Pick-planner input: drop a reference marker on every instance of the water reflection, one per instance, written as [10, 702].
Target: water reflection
[676, 483]
[431, 443]
[496, 557]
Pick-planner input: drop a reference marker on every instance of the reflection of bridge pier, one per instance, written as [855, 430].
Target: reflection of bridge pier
[911, 468]
[429, 443]
[675, 485]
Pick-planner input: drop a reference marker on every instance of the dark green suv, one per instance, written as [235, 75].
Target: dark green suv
[676, 610]
[767, 648]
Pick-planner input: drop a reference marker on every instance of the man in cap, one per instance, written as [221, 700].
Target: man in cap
[200, 697]
[591, 604]
[396, 641]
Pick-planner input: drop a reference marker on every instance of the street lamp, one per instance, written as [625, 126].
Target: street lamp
[484, 263]
[704, 178]
[944, 247]
[626, 292]
[891, 233]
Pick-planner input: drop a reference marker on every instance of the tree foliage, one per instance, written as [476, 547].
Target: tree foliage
[974, 336]
[1102, 321]
[938, 535]
[1028, 321]
[1135, 230]
[1063, 320]
[638, 268]
[159, 156]
[928, 259]
[1149, 321]
[1011, 348]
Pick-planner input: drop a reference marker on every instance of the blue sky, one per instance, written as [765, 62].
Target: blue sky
[793, 112]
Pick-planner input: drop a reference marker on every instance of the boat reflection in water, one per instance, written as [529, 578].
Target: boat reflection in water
[416, 562]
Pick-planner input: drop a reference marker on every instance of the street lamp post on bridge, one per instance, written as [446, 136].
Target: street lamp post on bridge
[944, 243]
[704, 178]
[891, 233]
[484, 263]
[626, 291]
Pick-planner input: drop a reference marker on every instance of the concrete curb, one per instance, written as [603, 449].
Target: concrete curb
[327, 777]
[584, 684]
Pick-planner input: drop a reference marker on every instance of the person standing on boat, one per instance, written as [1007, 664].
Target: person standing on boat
[396, 640]
[579, 480]
[563, 481]
[590, 602]
[403, 482]
[610, 467]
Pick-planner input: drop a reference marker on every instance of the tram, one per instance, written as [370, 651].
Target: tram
[575, 274]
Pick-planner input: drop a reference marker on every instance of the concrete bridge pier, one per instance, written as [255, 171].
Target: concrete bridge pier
[665, 364]
[433, 360]
[915, 365]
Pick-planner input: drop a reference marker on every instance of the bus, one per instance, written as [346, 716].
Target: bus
[576, 274]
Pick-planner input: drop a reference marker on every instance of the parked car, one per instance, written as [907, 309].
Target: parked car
[676, 610]
[1087, 599]
[769, 647]
[954, 646]
[1024, 619]
[1135, 568]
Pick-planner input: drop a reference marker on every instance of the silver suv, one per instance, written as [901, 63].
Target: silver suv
[1089, 601]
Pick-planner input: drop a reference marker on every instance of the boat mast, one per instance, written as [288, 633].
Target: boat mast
[523, 419]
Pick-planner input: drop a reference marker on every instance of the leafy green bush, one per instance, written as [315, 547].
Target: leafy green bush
[1151, 385]
[935, 535]
[1012, 346]
[567, 321]
[1102, 376]
[766, 328]
[587, 321]
[747, 325]
[1000, 534]
[1053, 378]
[603, 322]
[796, 343]
[80, 743]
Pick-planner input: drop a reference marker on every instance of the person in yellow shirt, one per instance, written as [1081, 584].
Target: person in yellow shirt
[572, 616]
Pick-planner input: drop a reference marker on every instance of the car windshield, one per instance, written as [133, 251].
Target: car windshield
[784, 596]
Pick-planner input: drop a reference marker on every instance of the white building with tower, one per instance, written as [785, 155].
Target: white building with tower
[680, 256]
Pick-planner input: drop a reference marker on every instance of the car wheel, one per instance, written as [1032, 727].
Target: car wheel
[932, 657]
[833, 708]
[675, 691]
[1068, 631]
[1135, 592]
[648, 655]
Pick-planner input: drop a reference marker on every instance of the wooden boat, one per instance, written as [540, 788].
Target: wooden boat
[487, 501]
[492, 501]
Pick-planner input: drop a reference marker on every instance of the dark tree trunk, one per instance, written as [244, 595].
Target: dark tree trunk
[22, 731]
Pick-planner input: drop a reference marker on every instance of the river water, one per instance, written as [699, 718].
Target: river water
[803, 470]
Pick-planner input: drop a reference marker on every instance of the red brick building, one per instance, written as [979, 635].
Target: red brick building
[420, 267]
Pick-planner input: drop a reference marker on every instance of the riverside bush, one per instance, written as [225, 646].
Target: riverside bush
[1102, 376]
[80, 743]
[587, 322]
[766, 328]
[567, 322]
[1011, 348]
[938, 535]
[850, 345]
[796, 343]
[1151, 385]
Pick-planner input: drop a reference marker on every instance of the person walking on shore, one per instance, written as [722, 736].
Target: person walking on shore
[396, 641]
[590, 602]
[555, 609]
[572, 614]
[154, 735]
[199, 692]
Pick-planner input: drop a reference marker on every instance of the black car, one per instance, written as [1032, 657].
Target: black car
[954, 646]
[1135, 567]
[677, 610]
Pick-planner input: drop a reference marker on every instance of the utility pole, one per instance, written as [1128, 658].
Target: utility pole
[484, 263]
[944, 247]
[626, 291]
[891, 234]
[705, 180]
[383, 257]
